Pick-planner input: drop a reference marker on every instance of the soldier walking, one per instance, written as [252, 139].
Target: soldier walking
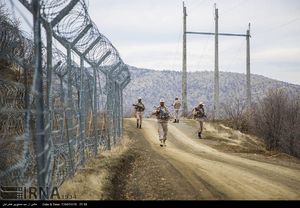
[176, 105]
[139, 110]
[199, 115]
[162, 115]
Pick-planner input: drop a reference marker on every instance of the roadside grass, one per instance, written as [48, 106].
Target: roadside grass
[96, 180]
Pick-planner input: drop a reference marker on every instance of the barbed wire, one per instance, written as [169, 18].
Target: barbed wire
[76, 125]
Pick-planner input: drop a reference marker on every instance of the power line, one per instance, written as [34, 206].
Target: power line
[292, 20]
[234, 7]
[177, 53]
[282, 25]
[235, 57]
[198, 4]
[216, 34]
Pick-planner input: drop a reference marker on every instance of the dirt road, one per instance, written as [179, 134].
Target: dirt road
[188, 168]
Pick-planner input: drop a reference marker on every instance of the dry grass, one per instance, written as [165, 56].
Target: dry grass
[94, 180]
[224, 138]
[230, 140]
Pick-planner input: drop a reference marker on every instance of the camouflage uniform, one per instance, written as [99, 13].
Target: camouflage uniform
[199, 115]
[162, 115]
[176, 105]
[139, 111]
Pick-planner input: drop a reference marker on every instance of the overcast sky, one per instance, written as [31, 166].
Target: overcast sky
[148, 34]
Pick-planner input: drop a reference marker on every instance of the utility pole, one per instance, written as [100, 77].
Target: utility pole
[216, 110]
[184, 73]
[248, 68]
[216, 83]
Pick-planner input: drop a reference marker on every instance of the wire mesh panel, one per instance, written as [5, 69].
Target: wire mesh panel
[79, 102]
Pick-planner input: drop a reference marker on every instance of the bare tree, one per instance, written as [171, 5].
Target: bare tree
[276, 118]
[236, 114]
[269, 117]
[290, 142]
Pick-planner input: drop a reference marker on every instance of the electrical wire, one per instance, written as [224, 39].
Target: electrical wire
[235, 6]
[236, 56]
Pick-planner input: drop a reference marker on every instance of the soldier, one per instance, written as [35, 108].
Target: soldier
[199, 115]
[162, 115]
[139, 110]
[176, 105]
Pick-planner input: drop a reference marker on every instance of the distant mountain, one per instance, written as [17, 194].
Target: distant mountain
[151, 85]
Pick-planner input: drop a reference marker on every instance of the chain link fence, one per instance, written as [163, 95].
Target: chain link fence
[56, 115]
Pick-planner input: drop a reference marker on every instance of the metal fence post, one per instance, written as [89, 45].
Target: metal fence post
[42, 145]
[95, 111]
[81, 115]
[69, 115]
[60, 136]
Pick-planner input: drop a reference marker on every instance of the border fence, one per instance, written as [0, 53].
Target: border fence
[56, 113]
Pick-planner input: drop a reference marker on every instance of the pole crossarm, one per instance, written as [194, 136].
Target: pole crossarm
[216, 34]
[222, 34]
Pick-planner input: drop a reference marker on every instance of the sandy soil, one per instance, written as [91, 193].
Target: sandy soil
[226, 164]
[190, 168]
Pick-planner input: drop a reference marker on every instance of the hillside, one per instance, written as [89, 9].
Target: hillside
[152, 84]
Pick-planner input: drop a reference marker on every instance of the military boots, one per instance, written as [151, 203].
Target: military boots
[199, 135]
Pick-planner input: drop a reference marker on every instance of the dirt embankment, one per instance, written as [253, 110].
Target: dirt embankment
[100, 178]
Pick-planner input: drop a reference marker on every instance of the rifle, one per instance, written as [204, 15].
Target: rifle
[137, 106]
[156, 109]
[198, 113]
